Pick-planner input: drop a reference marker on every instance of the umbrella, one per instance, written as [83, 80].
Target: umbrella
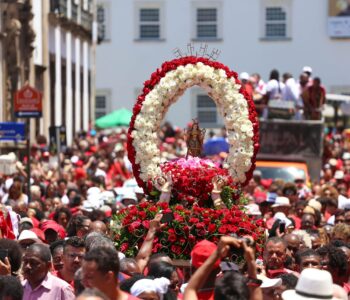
[120, 117]
[215, 146]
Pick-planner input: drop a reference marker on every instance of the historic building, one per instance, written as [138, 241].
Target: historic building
[252, 36]
[50, 45]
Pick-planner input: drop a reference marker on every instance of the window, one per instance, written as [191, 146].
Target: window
[102, 105]
[207, 16]
[206, 110]
[149, 23]
[275, 22]
[207, 23]
[103, 21]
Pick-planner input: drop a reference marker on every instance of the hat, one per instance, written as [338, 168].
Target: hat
[107, 197]
[282, 217]
[257, 173]
[158, 285]
[26, 220]
[253, 209]
[28, 235]
[49, 224]
[307, 69]
[244, 76]
[315, 204]
[8, 183]
[312, 284]
[40, 234]
[269, 282]
[118, 147]
[201, 252]
[138, 190]
[333, 162]
[281, 201]
[346, 156]
[128, 194]
[339, 175]
[74, 159]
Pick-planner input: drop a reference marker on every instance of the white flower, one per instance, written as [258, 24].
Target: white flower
[225, 93]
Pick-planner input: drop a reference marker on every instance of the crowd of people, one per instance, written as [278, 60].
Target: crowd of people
[57, 243]
[286, 97]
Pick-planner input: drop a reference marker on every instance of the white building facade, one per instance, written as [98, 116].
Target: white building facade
[252, 36]
[63, 59]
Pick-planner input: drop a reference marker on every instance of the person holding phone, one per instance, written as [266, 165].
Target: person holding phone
[5, 266]
[244, 287]
[10, 257]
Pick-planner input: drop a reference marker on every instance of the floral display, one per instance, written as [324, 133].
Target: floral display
[202, 198]
[192, 179]
[163, 89]
[188, 227]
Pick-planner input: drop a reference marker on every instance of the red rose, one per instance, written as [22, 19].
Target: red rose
[171, 231]
[172, 238]
[212, 228]
[134, 225]
[153, 209]
[223, 229]
[142, 215]
[194, 220]
[145, 224]
[124, 247]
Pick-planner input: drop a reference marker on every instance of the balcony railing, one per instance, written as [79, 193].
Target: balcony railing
[59, 7]
[86, 20]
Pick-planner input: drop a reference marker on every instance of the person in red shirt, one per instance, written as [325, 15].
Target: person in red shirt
[314, 97]
[244, 77]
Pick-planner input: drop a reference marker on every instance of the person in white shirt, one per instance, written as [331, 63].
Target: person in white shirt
[273, 90]
[290, 92]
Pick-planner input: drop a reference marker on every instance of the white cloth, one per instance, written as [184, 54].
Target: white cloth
[158, 285]
[100, 172]
[290, 91]
[65, 200]
[343, 202]
[274, 88]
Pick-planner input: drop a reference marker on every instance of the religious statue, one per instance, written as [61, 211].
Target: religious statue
[194, 140]
[164, 184]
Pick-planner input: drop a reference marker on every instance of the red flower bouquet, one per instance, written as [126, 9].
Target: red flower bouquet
[188, 227]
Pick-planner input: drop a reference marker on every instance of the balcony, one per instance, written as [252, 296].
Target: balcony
[74, 12]
[86, 20]
[59, 7]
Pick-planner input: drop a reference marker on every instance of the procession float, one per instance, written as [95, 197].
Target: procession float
[203, 200]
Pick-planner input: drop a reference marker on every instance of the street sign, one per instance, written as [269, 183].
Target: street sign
[12, 131]
[28, 103]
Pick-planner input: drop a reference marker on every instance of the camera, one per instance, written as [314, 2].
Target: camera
[240, 251]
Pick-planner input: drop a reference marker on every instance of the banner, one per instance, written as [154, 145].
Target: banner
[339, 18]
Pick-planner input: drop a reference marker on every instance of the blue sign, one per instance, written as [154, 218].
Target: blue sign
[12, 131]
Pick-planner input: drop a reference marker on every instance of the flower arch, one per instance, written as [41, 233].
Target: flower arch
[164, 88]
